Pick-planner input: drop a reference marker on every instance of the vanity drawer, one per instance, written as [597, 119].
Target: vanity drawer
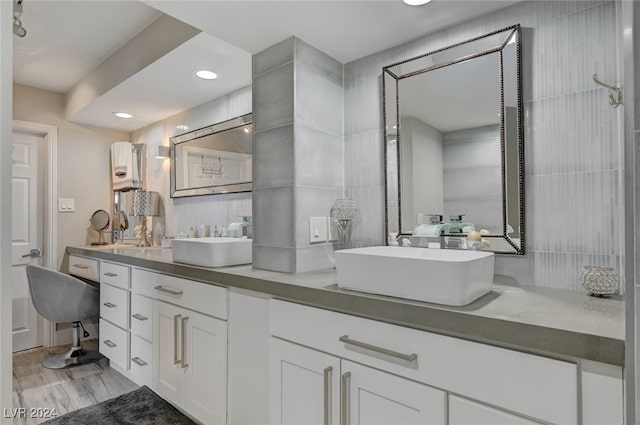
[205, 298]
[114, 274]
[114, 305]
[141, 360]
[141, 314]
[114, 344]
[535, 386]
[84, 267]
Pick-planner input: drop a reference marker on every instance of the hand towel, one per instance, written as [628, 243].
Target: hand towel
[121, 158]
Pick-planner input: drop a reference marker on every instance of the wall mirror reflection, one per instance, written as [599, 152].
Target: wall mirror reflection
[123, 222]
[454, 144]
[213, 160]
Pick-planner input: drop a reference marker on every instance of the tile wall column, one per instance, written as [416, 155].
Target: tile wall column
[298, 151]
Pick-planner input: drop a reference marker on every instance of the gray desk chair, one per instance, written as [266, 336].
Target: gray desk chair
[61, 298]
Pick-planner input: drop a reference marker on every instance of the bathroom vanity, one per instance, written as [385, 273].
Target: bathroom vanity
[239, 345]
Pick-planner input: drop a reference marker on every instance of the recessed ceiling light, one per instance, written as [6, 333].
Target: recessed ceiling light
[416, 2]
[125, 115]
[205, 74]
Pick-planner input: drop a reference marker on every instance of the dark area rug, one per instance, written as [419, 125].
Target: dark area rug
[139, 407]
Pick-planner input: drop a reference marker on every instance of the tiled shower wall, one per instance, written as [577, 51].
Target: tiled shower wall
[573, 142]
[182, 213]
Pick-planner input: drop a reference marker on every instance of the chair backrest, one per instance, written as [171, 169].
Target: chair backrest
[62, 298]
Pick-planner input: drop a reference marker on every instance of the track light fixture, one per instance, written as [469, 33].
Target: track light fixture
[17, 23]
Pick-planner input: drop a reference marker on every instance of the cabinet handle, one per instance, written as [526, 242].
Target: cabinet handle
[406, 357]
[139, 316]
[328, 372]
[345, 384]
[111, 274]
[80, 266]
[139, 361]
[184, 364]
[110, 305]
[110, 343]
[167, 290]
[176, 320]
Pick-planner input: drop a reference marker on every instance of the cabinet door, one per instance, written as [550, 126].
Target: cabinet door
[168, 375]
[370, 396]
[205, 353]
[303, 385]
[466, 412]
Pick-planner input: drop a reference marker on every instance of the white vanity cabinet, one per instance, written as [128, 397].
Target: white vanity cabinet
[382, 365]
[114, 311]
[304, 385]
[189, 343]
[308, 386]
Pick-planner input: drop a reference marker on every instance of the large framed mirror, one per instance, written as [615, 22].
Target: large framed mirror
[454, 142]
[213, 160]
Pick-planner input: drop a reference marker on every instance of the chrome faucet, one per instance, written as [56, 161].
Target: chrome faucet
[246, 225]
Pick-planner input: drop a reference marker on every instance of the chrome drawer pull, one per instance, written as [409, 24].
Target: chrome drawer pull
[328, 371]
[111, 274]
[168, 291]
[139, 361]
[176, 320]
[345, 383]
[184, 364]
[110, 344]
[139, 316]
[80, 266]
[406, 357]
[110, 305]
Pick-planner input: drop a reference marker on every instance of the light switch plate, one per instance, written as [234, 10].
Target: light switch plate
[317, 229]
[66, 205]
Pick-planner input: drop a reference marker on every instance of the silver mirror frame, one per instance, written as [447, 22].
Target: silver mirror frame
[206, 131]
[392, 170]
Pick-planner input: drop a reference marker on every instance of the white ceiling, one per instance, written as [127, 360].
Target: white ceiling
[68, 39]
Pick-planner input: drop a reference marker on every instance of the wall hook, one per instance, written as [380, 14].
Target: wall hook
[613, 100]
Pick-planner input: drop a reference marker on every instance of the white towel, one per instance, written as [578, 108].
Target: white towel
[126, 175]
[121, 158]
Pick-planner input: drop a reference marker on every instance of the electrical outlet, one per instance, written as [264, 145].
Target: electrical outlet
[317, 229]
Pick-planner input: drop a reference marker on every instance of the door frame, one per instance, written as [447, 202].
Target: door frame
[50, 231]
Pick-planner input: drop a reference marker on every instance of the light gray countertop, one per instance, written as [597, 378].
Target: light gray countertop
[547, 321]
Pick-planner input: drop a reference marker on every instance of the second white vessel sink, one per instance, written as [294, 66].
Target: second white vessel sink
[212, 252]
[442, 276]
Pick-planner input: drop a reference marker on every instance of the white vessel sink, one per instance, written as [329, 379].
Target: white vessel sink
[212, 252]
[443, 276]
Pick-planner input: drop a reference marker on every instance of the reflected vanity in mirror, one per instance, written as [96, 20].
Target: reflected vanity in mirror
[454, 143]
[213, 160]
[123, 221]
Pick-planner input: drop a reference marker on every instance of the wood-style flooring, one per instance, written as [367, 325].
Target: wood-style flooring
[63, 390]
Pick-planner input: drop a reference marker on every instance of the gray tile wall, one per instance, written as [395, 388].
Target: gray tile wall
[472, 176]
[298, 108]
[573, 140]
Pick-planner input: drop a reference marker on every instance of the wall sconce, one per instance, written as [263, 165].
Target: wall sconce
[163, 152]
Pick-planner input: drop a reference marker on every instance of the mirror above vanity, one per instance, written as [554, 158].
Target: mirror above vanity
[213, 160]
[454, 144]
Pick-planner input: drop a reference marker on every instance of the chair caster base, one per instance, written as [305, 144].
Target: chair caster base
[73, 357]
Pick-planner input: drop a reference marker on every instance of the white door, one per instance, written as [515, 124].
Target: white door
[205, 354]
[372, 397]
[168, 375]
[303, 385]
[27, 235]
